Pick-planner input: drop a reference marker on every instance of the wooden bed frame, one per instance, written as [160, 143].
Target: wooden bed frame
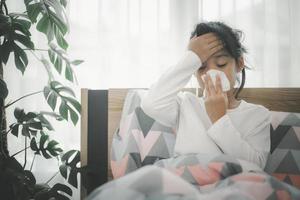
[101, 113]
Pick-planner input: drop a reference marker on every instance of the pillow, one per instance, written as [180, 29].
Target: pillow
[139, 140]
[284, 159]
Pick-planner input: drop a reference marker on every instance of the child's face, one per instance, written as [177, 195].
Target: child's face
[222, 61]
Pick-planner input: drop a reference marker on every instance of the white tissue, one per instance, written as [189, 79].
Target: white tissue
[224, 80]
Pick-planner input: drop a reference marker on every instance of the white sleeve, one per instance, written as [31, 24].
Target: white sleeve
[253, 147]
[162, 100]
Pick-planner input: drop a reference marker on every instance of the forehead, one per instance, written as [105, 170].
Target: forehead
[221, 53]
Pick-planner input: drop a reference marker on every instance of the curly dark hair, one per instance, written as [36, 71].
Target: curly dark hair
[231, 39]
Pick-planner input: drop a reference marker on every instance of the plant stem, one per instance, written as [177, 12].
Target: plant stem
[5, 7]
[3, 123]
[25, 156]
[20, 151]
[50, 75]
[22, 98]
[32, 162]
[6, 132]
[52, 177]
[35, 49]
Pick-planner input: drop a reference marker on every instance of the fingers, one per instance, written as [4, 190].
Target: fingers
[216, 49]
[209, 35]
[215, 43]
[212, 38]
[218, 84]
[209, 86]
[206, 85]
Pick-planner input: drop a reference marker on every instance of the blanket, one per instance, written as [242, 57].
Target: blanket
[196, 176]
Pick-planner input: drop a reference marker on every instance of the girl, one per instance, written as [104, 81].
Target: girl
[219, 122]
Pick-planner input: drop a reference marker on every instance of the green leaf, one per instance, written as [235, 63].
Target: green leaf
[52, 114]
[25, 23]
[44, 25]
[21, 59]
[15, 130]
[3, 89]
[74, 116]
[33, 145]
[45, 154]
[51, 55]
[69, 73]
[77, 62]
[63, 110]
[61, 27]
[52, 100]
[70, 160]
[36, 125]
[47, 91]
[59, 59]
[74, 103]
[20, 27]
[53, 20]
[63, 169]
[68, 105]
[25, 131]
[52, 144]
[19, 114]
[30, 123]
[59, 190]
[58, 64]
[67, 155]
[5, 51]
[63, 2]
[43, 140]
[33, 11]
[29, 116]
[25, 40]
[54, 84]
[66, 90]
[15, 31]
[47, 150]
[61, 41]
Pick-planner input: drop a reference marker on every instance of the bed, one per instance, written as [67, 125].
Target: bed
[101, 113]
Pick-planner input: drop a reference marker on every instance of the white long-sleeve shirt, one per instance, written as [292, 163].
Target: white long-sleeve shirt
[243, 132]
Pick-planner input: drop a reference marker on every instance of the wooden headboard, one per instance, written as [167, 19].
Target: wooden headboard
[101, 113]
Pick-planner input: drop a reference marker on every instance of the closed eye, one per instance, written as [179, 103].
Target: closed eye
[222, 65]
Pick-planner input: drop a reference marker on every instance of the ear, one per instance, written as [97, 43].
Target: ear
[240, 64]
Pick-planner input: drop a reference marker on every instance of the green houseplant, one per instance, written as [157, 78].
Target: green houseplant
[48, 18]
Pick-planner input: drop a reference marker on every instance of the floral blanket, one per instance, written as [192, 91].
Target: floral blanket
[195, 176]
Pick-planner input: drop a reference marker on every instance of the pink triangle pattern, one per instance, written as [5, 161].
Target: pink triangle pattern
[282, 194]
[119, 167]
[203, 176]
[249, 177]
[173, 184]
[216, 166]
[145, 144]
[178, 171]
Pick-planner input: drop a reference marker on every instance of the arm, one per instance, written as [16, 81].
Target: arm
[254, 147]
[163, 98]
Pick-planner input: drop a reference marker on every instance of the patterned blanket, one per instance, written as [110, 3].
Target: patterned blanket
[195, 176]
